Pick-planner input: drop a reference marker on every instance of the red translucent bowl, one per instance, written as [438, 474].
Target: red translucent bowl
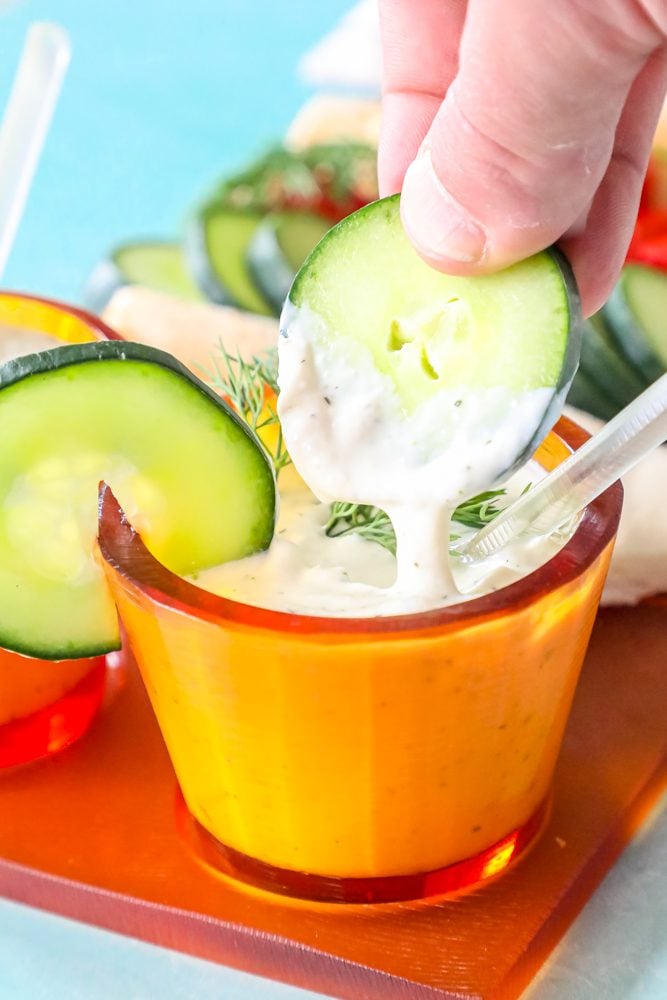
[46, 705]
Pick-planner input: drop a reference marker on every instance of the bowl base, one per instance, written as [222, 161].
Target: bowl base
[451, 879]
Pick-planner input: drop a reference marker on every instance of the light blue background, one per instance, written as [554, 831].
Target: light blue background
[161, 98]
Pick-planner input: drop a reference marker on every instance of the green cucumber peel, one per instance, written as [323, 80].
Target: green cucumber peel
[216, 244]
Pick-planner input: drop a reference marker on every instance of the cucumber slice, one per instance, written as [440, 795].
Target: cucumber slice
[155, 264]
[191, 475]
[602, 362]
[365, 282]
[636, 313]
[400, 382]
[515, 329]
[278, 248]
[216, 246]
[586, 395]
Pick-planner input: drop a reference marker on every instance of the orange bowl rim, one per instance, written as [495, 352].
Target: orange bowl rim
[87, 317]
[123, 550]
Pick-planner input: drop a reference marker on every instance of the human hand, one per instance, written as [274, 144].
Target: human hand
[543, 135]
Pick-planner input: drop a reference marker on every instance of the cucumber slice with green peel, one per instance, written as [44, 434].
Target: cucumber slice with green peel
[216, 247]
[586, 395]
[159, 265]
[603, 363]
[366, 283]
[395, 349]
[636, 315]
[279, 247]
[192, 477]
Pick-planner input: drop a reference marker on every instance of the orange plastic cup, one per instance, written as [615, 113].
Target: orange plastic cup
[365, 759]
[46, 705]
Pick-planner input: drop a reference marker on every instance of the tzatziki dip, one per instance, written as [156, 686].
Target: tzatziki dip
[305, 571]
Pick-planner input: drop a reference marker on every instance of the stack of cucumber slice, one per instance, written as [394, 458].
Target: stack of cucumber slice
[625, 344]
[244, 245]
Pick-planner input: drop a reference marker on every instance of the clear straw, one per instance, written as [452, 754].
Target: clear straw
[603, 459]
[32, 100]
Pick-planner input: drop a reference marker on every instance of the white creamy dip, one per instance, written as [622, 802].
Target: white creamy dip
[15, 342]
[352, 438]
[306, 572]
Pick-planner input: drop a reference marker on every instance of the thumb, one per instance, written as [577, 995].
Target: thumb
[526, 132]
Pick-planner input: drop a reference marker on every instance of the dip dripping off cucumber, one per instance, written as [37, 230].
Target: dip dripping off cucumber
[410, 390]
[190, 474]
[364, 299]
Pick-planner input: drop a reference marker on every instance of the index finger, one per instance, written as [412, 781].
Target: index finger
[420, 46]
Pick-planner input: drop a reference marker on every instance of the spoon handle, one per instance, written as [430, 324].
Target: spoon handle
[631, 434]
[26, 121]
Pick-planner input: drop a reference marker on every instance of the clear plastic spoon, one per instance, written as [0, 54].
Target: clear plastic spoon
[632, 433]
[26, 121]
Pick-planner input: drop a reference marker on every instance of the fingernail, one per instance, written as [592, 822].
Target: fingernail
[434, 220]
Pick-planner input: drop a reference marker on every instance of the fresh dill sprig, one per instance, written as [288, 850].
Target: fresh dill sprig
[373, 524]
[361, 519]
[478, 510]
[245, 385]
